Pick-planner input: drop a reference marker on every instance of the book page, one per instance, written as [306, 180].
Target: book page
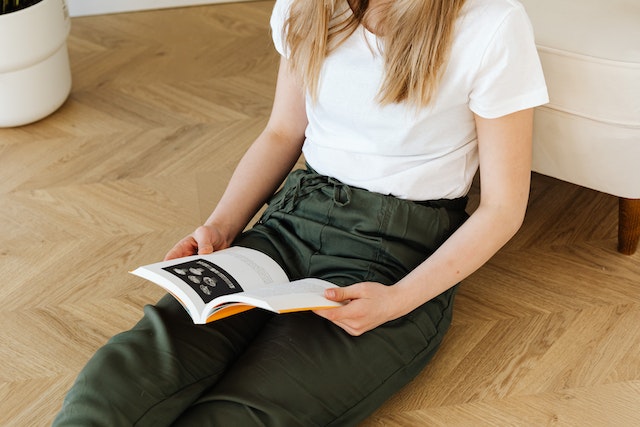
[304, 294]
[302, 286]
[198, 279]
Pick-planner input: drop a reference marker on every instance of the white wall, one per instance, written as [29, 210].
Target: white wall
[97, 7]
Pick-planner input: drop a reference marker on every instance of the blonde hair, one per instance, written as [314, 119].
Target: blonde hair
[416, 36]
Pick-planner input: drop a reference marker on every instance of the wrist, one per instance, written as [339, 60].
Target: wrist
[402, 299]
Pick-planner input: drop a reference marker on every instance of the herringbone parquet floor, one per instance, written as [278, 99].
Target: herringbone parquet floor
[163, 105]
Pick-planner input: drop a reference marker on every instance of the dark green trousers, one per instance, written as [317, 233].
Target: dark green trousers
[257, 368]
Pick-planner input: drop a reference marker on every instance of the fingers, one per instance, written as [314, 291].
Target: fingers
[367, 306]
[185, 247]
[199, 242]
[348, 317]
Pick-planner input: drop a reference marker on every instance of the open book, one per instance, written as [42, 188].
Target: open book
[234, 280]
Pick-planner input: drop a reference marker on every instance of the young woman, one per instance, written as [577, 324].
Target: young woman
[394, 104]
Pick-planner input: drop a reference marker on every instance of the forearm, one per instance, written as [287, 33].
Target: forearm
[370, 304]
[257, 176]
[470, 247]
[264, 166]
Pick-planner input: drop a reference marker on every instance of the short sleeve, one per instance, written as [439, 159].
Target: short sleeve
[510, 77]
[279, 17]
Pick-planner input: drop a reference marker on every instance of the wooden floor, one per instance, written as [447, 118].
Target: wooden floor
[163, 104]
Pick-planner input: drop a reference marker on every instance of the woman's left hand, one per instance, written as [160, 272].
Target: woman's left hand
[367, 305]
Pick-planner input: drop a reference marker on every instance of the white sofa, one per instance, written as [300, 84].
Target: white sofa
[589, 133]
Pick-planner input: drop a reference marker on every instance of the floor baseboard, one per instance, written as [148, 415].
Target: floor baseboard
[100, 7]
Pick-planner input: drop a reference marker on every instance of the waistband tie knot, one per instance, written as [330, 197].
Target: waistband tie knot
[307, 184]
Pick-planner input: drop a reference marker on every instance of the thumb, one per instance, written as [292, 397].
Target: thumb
[340, 294]
[203, 239]
[205, 248]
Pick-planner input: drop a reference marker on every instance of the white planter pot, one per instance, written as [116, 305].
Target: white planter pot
[35, 77]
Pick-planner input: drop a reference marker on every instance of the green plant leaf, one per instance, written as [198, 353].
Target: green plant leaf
[9, 6]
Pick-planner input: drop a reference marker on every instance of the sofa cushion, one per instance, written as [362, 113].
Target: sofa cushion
[590, 51]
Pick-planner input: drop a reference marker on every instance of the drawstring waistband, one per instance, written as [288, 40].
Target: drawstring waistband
[309, 183]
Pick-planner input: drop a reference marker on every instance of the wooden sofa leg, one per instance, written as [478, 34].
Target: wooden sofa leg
[628, 225]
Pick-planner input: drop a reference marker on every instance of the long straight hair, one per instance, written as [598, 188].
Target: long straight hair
[416, 37]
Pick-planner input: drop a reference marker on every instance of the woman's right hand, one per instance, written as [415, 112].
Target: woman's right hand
[204, 240]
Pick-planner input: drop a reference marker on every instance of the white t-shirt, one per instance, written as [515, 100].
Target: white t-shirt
[431, 153]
